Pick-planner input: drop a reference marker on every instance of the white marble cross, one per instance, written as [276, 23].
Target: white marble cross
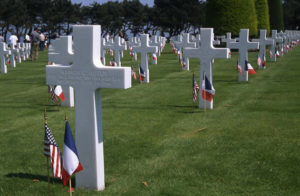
[22, 48]
[243, 46]
[228, 39]
[278, 40]
[14, 53]
[133, 41]
[283, 44]
[263, 42]
[28, 48]
[185, 43]
[104, 45]
[61, 52]
[145, 49]
[198, 41]
[206, 53]
[21, 51]
[88, 75]
[118, 47]
[154, 42]
[3, 53]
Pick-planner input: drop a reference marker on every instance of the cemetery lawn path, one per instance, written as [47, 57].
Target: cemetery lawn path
[156, 141]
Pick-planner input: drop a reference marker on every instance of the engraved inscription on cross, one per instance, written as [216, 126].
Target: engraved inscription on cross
[145, 49]
[278, 40]
[61, 52]
[263, 42]
[3, 53]
[206, 53]
[88, 75]
[243, 46]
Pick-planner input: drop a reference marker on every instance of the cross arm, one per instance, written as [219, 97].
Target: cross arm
[99, 77]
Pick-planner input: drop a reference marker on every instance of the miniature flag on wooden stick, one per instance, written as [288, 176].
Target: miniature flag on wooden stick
[51, 150]
[59, 92]
[71, 163]
[249, 68]
[208, 91]
[141, 73]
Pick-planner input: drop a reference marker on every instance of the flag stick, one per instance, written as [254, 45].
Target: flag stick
[70, 186]
[47, 158]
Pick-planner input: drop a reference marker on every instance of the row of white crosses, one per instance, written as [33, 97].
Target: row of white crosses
[263, 43]
[21, 52]
[87, 75]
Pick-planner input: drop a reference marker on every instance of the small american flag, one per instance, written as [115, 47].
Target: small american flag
[53, 95]
[271, 54]
[195, 89]
[51, 150]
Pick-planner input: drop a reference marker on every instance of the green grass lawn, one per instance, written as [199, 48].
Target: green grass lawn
[156, 141]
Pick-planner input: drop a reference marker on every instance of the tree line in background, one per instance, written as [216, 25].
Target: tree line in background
[166, 16]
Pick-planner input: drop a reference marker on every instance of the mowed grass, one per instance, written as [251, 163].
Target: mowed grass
[156, 141]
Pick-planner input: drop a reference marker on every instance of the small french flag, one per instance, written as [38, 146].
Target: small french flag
[154, 57]
[142, 74]
[208, 91]
[59, 92]
[71, 163]
[249, 68]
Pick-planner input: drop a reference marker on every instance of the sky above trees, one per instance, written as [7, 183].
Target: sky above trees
[87, 2]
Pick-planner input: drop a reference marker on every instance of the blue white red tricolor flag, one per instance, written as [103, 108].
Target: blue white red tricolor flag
[59, 92]
[277, 53]
[208, 91]
[51, 150]
[249, 68]
[142, 73]
[71, 163]
[154, 57]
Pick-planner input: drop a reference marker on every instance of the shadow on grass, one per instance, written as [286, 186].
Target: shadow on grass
[33, 177]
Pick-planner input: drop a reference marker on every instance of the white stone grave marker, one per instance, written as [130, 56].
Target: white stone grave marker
[276, 39]
[61, 52]
[185, 43]
[243, 46]
[228, 39]
[206, 53]
[145, 49]
[88, 75]
[263, 42]
[14, 54]
[118, 47]
[3, 53]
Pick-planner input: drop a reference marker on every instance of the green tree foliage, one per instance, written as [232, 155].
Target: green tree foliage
[262, 13]
[231, 16]
[175, 16]
[291, 11]
[276, 14]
